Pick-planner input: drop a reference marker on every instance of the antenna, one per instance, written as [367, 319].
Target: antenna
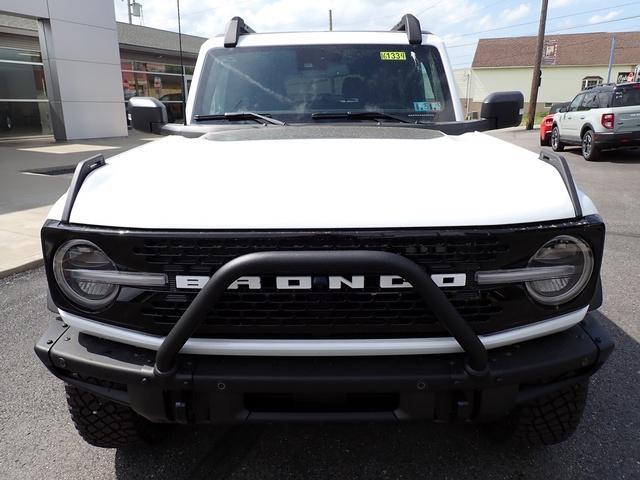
[184, 84]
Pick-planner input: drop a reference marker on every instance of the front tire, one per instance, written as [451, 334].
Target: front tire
[556, 143]
[547, 420]
[590, 151]
[107, 424]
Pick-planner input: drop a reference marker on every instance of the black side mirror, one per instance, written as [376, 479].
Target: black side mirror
[503, 109]
[148, 114]
[562, 109]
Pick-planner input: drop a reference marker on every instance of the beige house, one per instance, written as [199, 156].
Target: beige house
[570, 64]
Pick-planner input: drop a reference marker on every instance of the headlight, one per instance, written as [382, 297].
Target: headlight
[563, 250]
[70, 263]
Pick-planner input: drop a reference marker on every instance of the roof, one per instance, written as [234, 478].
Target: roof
[560, 50]
[137, 36]
[128, 35]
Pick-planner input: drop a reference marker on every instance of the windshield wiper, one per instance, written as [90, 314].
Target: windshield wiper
[240, 116]
[364, 115]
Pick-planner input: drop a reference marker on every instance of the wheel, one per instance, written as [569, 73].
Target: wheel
[107, 424]
[556, 143]
[544, 421]
[546, 141]
[590, 151]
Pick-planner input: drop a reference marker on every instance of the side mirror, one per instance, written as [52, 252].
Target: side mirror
[562, 109]
[503, 109]
[148, 114]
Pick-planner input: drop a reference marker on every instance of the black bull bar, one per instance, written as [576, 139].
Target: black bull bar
[327, 263]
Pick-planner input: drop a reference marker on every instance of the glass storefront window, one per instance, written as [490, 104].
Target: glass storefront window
[161, 81]
[24, 108]
[19, 81]
[24, 118]
[130, 65]
[15, 55]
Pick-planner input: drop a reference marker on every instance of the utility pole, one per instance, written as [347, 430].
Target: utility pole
[129, 11]
[535, 81]
[330, 21]
[184, 83]
[611, 56]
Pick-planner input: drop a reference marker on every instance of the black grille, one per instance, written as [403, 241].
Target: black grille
[322, 314]
[207, 255]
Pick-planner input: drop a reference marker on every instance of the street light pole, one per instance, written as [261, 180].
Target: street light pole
[535, 81]
[611, 57]
[129, 11]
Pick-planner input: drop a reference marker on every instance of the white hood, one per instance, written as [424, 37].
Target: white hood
[179, 183]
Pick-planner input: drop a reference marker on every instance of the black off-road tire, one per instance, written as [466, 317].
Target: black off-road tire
[545, 421]
[556, 143]
[590, 151]
[107, 424]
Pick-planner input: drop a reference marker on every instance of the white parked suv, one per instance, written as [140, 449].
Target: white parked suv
[602, 117]
[321, 240]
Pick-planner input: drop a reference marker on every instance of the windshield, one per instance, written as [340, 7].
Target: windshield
[293, 82]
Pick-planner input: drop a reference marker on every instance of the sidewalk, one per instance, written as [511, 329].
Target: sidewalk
[20, 247]
[35, 172]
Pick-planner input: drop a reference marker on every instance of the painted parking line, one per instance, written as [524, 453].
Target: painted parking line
[71, 148]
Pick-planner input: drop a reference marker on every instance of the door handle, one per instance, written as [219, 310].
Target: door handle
[581, 118]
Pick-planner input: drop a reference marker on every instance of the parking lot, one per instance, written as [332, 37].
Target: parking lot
[38, 440]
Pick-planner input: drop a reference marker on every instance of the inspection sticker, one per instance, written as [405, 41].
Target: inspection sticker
[427, 106]
[393, 56]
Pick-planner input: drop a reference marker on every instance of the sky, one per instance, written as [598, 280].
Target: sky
[459, 22]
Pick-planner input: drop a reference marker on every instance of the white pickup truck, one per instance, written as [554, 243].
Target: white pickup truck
[325, 238]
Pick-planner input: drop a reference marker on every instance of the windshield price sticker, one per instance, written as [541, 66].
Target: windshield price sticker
[393, 56]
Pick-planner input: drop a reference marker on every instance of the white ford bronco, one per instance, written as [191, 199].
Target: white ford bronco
[325, 238]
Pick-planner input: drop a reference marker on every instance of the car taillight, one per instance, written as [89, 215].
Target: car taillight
[548, 122]
[608, 120]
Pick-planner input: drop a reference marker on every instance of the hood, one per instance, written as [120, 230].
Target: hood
[321, 183]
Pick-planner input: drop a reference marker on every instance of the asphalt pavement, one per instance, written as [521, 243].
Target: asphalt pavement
[38, 440]
[34, 172]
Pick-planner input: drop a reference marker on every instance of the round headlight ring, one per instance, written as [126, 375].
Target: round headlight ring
[573, 285]
[90, 295]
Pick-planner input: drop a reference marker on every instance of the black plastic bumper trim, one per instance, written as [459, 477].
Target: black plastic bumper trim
[215, 388]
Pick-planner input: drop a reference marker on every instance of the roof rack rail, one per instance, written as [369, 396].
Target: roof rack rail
[235, 28]
[411, 25]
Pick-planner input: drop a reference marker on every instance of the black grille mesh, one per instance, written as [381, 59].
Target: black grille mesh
[209, 254]
[320, 312]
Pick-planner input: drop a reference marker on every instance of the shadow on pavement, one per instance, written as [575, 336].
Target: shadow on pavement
[605, 446]
[624, 156]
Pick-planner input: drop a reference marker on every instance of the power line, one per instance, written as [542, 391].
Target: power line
[595, 23]
[554, 18]
[429, 7]
[549, 19]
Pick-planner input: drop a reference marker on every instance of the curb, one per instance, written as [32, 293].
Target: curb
[22, 268]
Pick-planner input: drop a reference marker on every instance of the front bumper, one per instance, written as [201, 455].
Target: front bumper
[613, 140]
[219, 389]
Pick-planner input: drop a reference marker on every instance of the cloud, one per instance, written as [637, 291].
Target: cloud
[560, 3]
[513, 14]
[208, 17]
[605, 17]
